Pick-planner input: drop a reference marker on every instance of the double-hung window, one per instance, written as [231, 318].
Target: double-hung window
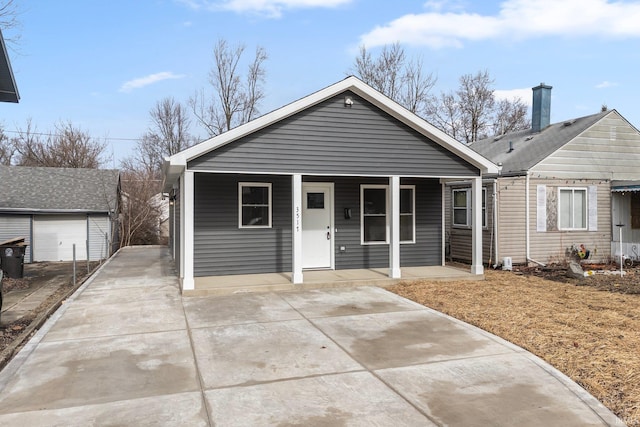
[407, 214]
[572, 209]
[463, 208]
[374, 203]
[254, 204]
[374, 224]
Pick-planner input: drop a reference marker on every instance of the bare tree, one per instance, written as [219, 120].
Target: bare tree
[510, 116]
[236, 98]
[67, 146]
[139, 208]
[445, 114]
[9, 20]
[472, 112]
[7, 149]
[168, 134]
[391, 74]
[476, 102]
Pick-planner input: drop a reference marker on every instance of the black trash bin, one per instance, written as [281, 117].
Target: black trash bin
[12, 260]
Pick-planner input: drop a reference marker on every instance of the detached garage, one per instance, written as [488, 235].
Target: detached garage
[57, 208]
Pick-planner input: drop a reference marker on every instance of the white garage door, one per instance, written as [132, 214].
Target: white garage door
[54, 236]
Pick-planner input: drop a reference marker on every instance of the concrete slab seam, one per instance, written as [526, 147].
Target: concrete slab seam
[19, 359]
[196, 364]
[365, 368]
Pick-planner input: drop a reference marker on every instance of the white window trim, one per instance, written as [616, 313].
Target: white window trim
[586, 207]
[387, 219]
[254, 184]
[469, 208]
[413, 213]
[386, 215]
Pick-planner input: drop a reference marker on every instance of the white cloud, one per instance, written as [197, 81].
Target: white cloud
[270, 8]
[605, 84]
[516, 19]
[525, 95]
[148, 80]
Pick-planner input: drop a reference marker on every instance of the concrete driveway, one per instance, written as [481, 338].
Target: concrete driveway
[127, 349]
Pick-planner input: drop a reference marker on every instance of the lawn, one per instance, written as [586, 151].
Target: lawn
[589, 329]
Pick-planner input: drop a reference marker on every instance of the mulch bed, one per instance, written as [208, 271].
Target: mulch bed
[588, 328]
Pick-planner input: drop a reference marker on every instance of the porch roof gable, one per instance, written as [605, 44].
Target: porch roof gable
[175, 164]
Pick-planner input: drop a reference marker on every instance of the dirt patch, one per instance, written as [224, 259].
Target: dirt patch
[587, 328]
[58, 276]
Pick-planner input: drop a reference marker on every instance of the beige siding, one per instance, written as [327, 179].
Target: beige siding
[554, 246]
[610, 150]
[511, 219]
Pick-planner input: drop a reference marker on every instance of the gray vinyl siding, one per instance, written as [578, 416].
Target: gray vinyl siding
[428, 247]
[428, 210]
[12, 226]
[328, 139]
[99, 227]
[220, 246]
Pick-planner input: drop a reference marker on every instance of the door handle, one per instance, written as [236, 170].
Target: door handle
[328, 235]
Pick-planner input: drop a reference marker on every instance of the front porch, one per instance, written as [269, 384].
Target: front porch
[318, 279]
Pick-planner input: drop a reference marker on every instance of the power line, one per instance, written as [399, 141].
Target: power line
[60, 135]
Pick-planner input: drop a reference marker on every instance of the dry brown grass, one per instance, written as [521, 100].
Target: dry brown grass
[591, 335]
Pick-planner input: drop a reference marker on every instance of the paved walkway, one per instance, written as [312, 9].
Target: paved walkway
[127, 349]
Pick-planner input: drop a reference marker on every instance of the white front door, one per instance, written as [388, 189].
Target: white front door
[317, 225]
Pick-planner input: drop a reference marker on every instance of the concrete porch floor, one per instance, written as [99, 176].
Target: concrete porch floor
[319, 279]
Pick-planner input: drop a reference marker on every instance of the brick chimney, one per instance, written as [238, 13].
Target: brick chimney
[541, 110]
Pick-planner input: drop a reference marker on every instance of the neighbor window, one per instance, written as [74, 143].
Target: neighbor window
[254, 204]
[635, 210]
[572, 209]
[373, 202]
[463, 209]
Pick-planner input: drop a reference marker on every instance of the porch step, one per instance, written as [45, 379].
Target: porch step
[321, 279]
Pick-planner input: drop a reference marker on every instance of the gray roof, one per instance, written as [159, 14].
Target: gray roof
[520, 151]
[36, 189]
[8, 87]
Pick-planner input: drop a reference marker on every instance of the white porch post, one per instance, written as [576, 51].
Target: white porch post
[186, 215]
[394, 237]
[476, 226]
[296, 240]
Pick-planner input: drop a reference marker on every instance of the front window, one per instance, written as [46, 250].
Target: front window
[373, 202]
[254, 205]
[572, 209]
[407, 214]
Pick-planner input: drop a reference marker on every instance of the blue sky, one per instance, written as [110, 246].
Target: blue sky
[103, 64]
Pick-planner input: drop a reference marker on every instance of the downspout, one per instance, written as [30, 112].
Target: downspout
[494, 227]
[527, 217]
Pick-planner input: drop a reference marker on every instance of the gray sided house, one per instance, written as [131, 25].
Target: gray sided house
[55, 208]
[342, 179]
[561, 190]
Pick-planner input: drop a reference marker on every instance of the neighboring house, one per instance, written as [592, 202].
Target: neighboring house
[342, 179]
[54, 208]
[161, 203]
[553, 196]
